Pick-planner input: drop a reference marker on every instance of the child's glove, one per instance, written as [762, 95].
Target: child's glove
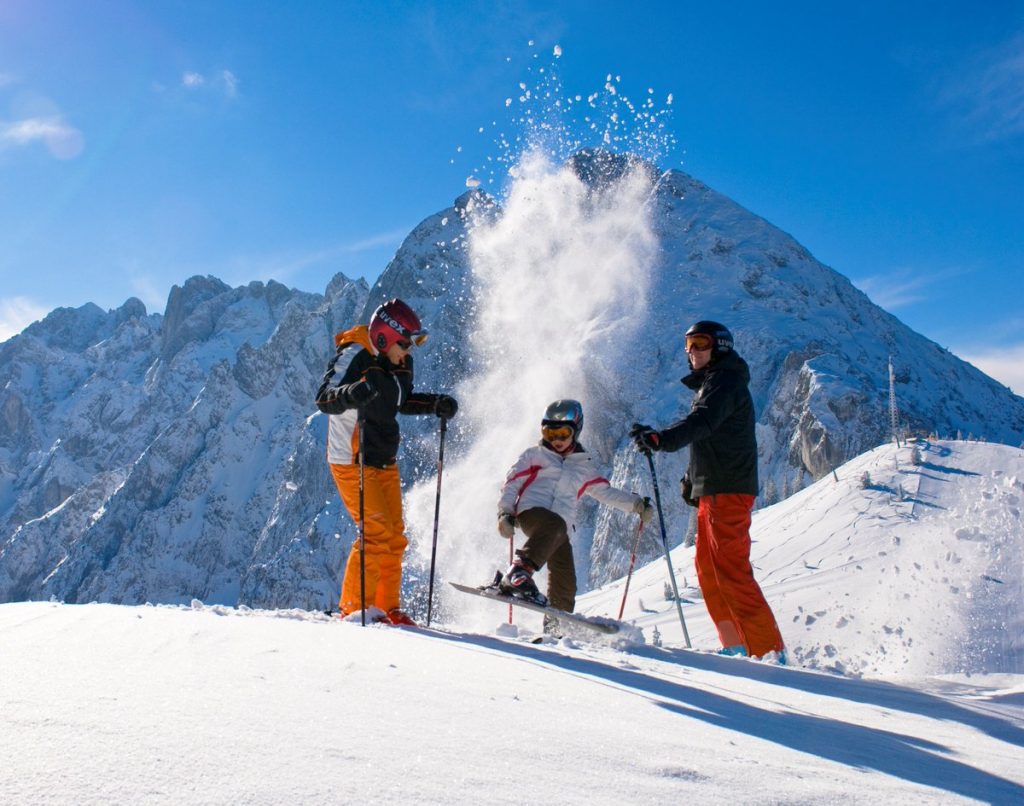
[506, 525]
[645, 509]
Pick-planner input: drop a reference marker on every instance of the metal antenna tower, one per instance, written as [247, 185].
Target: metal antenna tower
[894, 412]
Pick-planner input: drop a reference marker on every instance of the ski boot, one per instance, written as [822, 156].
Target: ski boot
[398, 616]
[518, 582]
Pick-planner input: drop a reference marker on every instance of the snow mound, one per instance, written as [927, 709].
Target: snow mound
[904, 563]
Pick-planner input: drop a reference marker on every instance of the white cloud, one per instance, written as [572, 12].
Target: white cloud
[17, 313]
[988, 93]
[230, 83]
[62, 140]
[374, 241]
[282, 267]
[901, 287]
[897, 290]
[1005, 364]
[285, 265]
[224, 82]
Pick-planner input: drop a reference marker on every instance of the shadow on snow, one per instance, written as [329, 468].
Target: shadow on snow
[909, 758]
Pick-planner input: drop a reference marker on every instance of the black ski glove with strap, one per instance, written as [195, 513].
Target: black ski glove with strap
[360, 393]
[645, 437]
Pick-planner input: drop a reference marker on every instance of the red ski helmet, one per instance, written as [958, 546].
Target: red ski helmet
[395, 321]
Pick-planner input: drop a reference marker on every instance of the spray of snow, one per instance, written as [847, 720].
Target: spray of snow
[561, 281]
[540, 113]
[561, 278]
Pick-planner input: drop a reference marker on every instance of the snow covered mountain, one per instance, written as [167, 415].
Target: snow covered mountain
[165, 458]
[906, 562]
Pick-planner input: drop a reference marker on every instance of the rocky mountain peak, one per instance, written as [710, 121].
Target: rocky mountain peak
[165, 458]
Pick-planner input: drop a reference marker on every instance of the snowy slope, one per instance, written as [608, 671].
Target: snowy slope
[916, 595]
[919, 573]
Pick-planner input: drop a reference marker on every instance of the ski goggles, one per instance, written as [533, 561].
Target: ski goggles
[699, 341]
[407, 344]
[553, 432]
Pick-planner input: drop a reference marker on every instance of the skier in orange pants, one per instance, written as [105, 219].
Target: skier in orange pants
[722, 483]
[731, 594]
[371, 374]
[384, 535]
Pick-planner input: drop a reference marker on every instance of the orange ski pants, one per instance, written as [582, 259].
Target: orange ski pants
[385, 540]
[733, 598]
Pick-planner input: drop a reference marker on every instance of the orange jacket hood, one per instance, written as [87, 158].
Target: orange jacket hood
[360, 334]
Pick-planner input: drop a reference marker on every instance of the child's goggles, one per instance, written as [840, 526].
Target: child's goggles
[699, 341]
[553, 432]
[417, 339]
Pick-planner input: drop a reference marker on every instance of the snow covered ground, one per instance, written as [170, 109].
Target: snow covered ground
[898, 593]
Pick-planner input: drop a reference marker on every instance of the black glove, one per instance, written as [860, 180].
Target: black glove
[331, 396]
[331, 401]
[360, 393]
[686, 487]
[445, 406]
[645, 437]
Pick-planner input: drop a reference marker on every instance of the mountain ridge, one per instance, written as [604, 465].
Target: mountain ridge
[165, 457]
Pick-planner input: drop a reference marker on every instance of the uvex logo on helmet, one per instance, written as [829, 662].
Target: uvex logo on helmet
[394, 322]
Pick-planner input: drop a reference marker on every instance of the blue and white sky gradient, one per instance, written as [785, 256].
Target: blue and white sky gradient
[144, 142]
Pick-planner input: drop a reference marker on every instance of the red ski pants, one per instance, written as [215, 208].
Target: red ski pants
[385, 539]
[733, 598]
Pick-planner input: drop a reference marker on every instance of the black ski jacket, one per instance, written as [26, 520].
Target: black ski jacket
[353, 362]
[719, 429]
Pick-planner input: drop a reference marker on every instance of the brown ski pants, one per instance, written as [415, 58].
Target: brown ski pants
[547, 542]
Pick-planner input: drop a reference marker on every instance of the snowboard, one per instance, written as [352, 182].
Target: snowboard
[560, 615]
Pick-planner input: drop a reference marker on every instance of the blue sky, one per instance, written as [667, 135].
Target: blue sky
[144, 142]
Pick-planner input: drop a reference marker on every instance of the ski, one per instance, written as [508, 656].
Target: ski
[607, 627]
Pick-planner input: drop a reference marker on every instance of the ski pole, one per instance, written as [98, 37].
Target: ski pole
[511, 557]
[360, 422]
[664, 544]
[632, 562]
[437, 512]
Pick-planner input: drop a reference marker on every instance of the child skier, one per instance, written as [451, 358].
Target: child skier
[372, 373]
[540, 495]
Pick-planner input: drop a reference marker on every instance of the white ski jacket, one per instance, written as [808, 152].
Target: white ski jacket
[541, 477]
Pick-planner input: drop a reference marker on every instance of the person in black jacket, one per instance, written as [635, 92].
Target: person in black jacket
[722, 483]
[372, 373]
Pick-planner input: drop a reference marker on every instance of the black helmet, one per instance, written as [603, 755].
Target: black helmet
[719, 332]
[564, 412]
